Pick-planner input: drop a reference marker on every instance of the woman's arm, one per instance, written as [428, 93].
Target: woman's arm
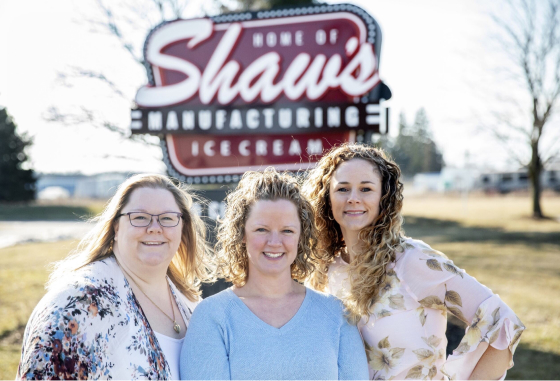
[438, 284]
[204, 355]
[492, 364]
[68, 335]
[352, 361]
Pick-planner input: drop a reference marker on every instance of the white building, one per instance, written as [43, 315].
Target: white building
[467, 179]
[100, 186]
[504, 182]
[448, 180]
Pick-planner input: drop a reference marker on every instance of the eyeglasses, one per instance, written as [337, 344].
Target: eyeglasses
[142, 220]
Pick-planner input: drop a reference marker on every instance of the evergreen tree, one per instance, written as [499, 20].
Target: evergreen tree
[403, 147]
[414, 149]
[427, 157]
[16, 183]
[382, 141]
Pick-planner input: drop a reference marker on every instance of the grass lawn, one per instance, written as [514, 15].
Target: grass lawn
[23, 273]
[495, 241]
[508, 213]
[492, 238]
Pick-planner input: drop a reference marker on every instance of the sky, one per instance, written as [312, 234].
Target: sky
[436, 54]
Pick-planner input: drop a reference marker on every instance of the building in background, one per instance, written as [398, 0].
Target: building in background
[448, 180]
[471, 179]
[60, 186]
[505, 182]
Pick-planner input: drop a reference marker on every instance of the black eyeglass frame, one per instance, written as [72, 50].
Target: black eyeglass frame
[152, 215]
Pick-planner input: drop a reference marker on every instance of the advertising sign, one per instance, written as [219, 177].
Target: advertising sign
[243, 91]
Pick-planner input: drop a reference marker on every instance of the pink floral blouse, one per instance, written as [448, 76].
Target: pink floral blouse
[405, 334]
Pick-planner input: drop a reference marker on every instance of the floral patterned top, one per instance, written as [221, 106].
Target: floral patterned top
[90, 326]
[405, 334]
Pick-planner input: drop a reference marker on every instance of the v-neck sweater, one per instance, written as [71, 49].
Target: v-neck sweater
[226, 340]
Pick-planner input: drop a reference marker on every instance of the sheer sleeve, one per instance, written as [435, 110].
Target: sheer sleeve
[437, 283]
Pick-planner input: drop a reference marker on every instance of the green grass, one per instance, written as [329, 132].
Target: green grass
[495, 241]
[23, 273]
[508, 213]
[492, 238]
[48, 212]
[9, 360]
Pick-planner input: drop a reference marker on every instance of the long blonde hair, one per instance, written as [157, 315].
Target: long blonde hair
[231, 252]
[382, 238]
[190, 265]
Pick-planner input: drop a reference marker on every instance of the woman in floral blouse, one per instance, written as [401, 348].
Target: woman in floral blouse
[119, 306]
[398, 289]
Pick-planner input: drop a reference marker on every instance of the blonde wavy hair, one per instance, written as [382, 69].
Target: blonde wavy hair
[383, 238]
[191, 264]
[231, 252]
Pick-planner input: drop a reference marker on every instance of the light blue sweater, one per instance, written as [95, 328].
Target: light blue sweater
[225, 340]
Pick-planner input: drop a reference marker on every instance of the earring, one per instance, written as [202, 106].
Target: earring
[329, 216]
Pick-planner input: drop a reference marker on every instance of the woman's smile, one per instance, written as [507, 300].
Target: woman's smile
[153, 243]
[354, 212]
[273, 255]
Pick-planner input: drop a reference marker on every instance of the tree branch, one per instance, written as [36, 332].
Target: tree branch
[117, 19]
[505, 119]
[552, 152]
[114, 29]
[87, 116]
[85, 73]
[505, 140]
[552, 157]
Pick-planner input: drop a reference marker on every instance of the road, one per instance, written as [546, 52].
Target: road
[16, 232]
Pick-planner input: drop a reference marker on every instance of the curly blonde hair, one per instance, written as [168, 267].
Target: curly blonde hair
[191, 265]
[383, 238]
[231, 252]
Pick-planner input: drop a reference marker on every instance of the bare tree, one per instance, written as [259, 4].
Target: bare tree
[530, 32]
[254, 5]
[128, 22]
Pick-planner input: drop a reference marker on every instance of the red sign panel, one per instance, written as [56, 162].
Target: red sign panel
[199, 155]
[291, 75]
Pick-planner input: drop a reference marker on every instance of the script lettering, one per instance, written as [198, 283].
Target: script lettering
[194, 30]
[224, 80]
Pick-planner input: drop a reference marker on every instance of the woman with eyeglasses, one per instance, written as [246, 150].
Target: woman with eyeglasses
[119, 306]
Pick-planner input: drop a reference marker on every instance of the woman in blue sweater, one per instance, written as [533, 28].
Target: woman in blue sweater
[268, 326]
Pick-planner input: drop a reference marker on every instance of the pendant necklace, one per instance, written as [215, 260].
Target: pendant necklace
[176, 326]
